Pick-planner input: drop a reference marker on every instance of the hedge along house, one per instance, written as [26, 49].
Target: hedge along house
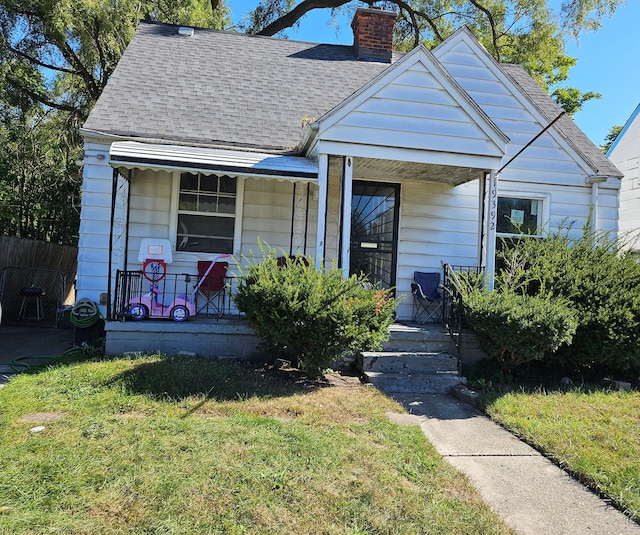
[385, 163]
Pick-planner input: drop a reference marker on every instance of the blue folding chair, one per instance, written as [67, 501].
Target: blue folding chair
[427, 299]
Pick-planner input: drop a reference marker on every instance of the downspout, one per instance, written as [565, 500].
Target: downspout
[595, 180]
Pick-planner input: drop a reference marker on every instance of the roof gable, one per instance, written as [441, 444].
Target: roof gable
[415, 104]
[462, 54]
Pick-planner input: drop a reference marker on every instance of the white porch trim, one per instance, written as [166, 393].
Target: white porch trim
[136, 155]
[492, 224]
[323, 186]
[347, 188]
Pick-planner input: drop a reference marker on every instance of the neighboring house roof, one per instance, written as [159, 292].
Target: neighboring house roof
[224, 89]
[565, 125]
[630, 122]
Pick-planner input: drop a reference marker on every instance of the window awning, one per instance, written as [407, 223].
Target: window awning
[136, 155]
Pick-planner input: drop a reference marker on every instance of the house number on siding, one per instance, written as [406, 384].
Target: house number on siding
[494, 203]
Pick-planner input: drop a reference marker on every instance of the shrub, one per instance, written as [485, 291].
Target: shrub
[316, 315]
[601, 283]
[516, 329]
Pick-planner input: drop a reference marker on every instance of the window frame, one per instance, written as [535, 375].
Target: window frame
[236, 216]
[544, 200]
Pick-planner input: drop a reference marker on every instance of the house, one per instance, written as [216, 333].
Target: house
[625, 154]
[208, 142]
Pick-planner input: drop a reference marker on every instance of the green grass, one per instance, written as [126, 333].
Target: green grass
[178, 445]
[594, 434]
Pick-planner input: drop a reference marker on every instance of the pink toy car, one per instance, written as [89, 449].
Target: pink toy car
[149, 306]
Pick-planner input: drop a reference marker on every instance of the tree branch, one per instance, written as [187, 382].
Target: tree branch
[36, 61]
[293, 16]
[70, 55]
[492, 24]
[41, 98]
[103, 61]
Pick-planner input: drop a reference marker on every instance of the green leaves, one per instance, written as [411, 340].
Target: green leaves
[596, 279]
[516, 329]
[311, 315]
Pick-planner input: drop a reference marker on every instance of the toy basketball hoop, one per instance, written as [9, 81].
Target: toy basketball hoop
[154, 270]
[155, 254]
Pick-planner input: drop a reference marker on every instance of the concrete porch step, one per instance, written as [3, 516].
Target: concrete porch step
[414, 337]
[424, 383]
[409, 361]
[406, 371]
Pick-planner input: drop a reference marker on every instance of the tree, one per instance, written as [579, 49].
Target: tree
[39, 179]
[611, 138]
[526, 32]
[60, 53]
[55, 59]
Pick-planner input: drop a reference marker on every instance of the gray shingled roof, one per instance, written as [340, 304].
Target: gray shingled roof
[224, 88]
[235, 90]
[565, 125]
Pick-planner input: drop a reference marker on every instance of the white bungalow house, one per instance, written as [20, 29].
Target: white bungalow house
[625, 154]
[210, 141]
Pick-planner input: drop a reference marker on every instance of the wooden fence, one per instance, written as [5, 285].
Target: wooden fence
[30, 264]
[20, 253]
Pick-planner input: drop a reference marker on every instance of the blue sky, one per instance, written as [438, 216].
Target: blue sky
[608, 62]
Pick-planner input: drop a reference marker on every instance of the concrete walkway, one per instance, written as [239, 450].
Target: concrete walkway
[532, 494]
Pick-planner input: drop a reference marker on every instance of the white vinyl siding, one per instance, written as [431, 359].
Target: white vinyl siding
[95, 217]
[438, 223]
[626, 156]
[547, 165]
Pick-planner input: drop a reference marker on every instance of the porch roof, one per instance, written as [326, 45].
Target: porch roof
[136, 155]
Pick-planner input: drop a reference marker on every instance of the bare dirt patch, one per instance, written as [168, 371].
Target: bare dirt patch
[42, 417]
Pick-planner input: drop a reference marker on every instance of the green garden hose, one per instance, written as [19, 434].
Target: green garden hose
[19, 364]
[85, 313]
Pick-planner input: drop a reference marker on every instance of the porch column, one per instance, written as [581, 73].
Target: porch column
[323, 184]
[347, 188]
[492, 221]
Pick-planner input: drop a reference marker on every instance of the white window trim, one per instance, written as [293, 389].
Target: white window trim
[543, 216]
[173, 223]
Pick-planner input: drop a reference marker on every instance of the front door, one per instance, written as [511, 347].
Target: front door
[374, 231]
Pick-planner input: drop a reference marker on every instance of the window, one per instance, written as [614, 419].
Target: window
[206, 213]
[519, 216]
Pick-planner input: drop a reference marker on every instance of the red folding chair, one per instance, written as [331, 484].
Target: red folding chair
[211, 292]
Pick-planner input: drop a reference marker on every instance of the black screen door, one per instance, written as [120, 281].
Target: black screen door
[374, 231]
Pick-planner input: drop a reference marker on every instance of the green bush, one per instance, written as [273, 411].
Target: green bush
[601, 283]
[516, 329]
[315, 315]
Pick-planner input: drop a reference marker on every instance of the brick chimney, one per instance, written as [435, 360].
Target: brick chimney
[373, 34]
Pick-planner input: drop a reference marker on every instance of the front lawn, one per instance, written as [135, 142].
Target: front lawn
[177, 445]
[594, 434]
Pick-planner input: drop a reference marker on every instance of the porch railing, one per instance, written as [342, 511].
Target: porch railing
[453, 305]
[133, 288]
